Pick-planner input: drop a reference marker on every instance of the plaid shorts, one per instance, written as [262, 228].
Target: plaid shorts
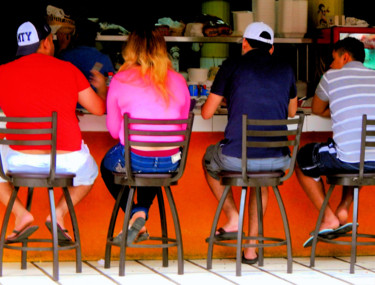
[215, 161]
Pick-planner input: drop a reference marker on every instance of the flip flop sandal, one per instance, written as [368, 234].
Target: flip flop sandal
[142, 237]
[326, 233]
[135, 229]
[249, 261]
[344, 229]
[22, 234]
[62, 236]
[117, 239]
[224, 235]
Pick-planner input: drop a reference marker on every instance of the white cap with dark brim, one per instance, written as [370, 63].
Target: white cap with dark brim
[259, 31]
[29, 36]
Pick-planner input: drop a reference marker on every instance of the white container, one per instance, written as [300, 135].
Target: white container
[292, 18]
[241, 19]
[264, 11]
[197, 74]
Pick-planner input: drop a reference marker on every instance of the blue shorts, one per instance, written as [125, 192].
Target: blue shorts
[114, 160]
[215, 162]
[80, 162]
[317, 159]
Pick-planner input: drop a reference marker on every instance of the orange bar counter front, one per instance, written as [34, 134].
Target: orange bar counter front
[196, 204]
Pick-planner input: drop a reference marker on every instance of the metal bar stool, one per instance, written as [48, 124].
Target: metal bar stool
[165, 180]
[253, 138]
[17, 130]
[356, 180]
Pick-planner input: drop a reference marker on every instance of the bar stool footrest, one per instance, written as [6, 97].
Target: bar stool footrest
[167, 242]
[343, 242]
[13, 246]
[272, 241]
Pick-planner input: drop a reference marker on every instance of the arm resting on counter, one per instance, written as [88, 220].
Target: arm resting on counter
[320, 107]
[292, 107]
[91, 101]
[209, 107]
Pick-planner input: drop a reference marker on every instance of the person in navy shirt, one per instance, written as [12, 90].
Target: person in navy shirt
[80, 50]
[263, 87]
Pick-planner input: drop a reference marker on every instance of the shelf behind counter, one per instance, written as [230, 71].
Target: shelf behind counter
[223, 39]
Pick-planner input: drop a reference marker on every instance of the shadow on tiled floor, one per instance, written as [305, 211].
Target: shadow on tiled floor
[328, 270]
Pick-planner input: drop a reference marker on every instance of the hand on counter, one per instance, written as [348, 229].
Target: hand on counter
[98, 80]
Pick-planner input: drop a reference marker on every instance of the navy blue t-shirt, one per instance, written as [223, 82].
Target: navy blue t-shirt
[84, 57]
[259, 85]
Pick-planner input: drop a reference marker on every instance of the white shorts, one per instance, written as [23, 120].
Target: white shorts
[80, 162]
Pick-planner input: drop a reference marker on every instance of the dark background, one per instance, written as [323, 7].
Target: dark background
[127, 13]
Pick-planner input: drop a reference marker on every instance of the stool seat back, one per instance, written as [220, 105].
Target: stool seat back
[155, 179]
[23, 133]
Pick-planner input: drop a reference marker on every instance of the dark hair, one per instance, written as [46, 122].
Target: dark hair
[353, 46]
[86, 32]
[259, 44]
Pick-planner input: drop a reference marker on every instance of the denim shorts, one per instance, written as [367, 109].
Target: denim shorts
[215, 162]
[80, 162]
[114, 160]
[317, 159]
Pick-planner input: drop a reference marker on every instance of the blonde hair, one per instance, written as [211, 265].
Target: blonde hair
[147, 50]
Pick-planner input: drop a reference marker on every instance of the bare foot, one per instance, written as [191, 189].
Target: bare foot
[22, 222]
[342, 214]
[329, 225]
[230, 226]
[250, 253]
[228, 229]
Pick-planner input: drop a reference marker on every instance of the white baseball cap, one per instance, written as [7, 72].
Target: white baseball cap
[259, 31]
[29, 36]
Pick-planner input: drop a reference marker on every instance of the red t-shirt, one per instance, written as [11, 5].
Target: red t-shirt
[37, 84]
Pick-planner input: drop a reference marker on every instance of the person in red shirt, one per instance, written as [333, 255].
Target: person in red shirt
[33, 85]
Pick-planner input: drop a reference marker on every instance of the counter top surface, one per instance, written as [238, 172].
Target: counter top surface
[313, 123]
[92, 123]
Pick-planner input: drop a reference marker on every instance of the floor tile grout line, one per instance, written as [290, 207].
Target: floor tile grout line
[45, 272]
[257, 267]
[155, 271]
[322, 272]
[212, 272]
[100, 271]
[272, 274]
[356, 264]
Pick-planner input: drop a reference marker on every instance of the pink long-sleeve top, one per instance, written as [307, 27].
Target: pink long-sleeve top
[132, 94]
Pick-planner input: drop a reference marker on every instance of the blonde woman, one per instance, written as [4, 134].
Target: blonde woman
[147, 87]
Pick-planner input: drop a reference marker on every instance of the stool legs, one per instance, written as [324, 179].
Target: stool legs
[214, 225]
[353, 257]
[55, 251]
[30, 192]
[353, 243]
[112, 223]
[240, 230]
[5, 225]
[163, 224]
[286, 229]
[319, 221]
[73, 219]
[258, 191]
[176, 221]
[55, 247]
[163, 221]
[260, 238]
[125, 227]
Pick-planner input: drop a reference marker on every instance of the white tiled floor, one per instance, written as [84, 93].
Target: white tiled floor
[328, 270]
